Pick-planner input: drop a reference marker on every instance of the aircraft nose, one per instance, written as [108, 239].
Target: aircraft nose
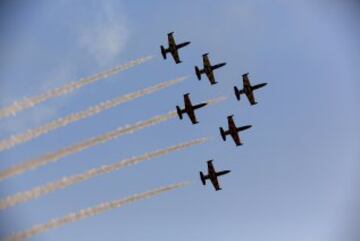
[248, 127]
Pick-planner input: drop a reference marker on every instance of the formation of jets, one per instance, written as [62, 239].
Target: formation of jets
[189, 109]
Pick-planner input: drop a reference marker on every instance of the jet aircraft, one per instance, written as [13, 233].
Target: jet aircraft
[212, 175]
[208, 69]
[173, 48]
[189, 109]
[233, 130]
[248, 89]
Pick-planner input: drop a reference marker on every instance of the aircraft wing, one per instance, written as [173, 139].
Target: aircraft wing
[247, 85]
[211, 77]
[246, 81]
[211, 168]
[212, 175]
[233, 131]
[236, 138]
[206, 60]
[171, 40]
[189, 109]
[251, 97]
[231, 123]
[187, 101]
[192, 116]
[215, 183]
[175, 55]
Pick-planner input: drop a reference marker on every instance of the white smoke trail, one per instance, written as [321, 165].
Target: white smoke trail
[92, 211]
[55, 156]
[26, 103]
[93, 110]
[68, 181]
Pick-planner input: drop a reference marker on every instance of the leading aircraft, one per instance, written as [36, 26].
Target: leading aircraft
[189, 109]
[173, 48]
[233, 130]
[248, 89]
[208, 69]
[212, 175]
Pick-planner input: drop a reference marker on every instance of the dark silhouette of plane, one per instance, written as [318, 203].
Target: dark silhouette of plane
[173, 48]
[212, 175]
[208, 69]
[233, 131]
[248, 89]
[189, 109]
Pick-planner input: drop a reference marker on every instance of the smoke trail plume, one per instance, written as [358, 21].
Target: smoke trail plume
[26, 103]
[93, 110]
[55, 156]
[68, 181]
[92, 211]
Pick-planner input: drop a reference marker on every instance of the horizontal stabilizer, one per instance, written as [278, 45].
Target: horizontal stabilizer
[179, 112]
[237, 93]
[198, 73]
[202, 177]
[163, 51]
[222, 132]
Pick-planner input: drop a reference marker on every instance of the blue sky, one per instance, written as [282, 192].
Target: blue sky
[297, 175]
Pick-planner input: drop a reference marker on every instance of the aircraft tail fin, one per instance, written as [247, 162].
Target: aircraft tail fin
[179, 112]
[222, 132]
[163, 51]
[198, 73]
[202, 177]
[237, 93]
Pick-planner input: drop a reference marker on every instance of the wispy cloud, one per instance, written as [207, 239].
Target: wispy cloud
[106, 36]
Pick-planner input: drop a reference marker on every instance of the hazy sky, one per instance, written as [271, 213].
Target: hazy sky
[295, 178]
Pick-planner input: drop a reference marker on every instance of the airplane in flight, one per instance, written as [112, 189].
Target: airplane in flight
[212, 175]
[189, 109]
[208, 69]
[173, 48]
[233, 130]
[248, 89]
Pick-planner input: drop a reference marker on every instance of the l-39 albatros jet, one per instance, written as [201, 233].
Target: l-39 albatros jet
[212, 175]
[208, 69]
[189, 109]
[233, 131]
[173, 48]
[248, 89]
